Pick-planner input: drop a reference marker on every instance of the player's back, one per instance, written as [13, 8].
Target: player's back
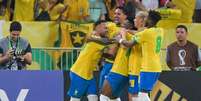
[88, 59]
[151, 46]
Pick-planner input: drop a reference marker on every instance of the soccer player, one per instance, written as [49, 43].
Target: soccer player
[135, 60]
[81, 73]
[150, 40]
[113, 29]
[117, 78]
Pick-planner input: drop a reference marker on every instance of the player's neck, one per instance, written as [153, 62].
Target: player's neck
[96, 33]
[141, 28]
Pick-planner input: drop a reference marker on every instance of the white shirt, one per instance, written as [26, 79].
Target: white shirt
[150, 4]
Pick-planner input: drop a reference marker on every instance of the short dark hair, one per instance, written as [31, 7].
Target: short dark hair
[153, 17]
[123, 9]
[15, 26]
[182, 26]
[98, 22]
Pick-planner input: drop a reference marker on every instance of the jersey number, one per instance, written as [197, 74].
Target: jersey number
[158, 44]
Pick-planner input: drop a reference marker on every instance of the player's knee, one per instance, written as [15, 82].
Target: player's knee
[92, 97]
[74, 99]
[106, 89]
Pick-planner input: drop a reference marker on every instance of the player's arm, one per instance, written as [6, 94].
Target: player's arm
[138, 5]
[104, 41]
[122, 39]
[127, 43]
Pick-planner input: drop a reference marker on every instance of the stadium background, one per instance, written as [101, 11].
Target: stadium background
[56, 46]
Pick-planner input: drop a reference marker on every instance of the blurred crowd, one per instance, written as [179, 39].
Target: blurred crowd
[88, 10]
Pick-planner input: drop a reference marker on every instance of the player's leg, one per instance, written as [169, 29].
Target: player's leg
[113, 86]
[147, 82]
[106, 91]
[78, 87]
[104, 72]
[133, 88]
[92, 90]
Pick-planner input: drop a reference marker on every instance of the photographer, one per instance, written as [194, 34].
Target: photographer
[15, 51]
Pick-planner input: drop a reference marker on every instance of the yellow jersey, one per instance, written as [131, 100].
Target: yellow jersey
[150, 41]
[24, 10]
[135, 60]
[88, 59]
[55, 12]
[76, 9]
[113, 30]
[187, 8]
[120, 65]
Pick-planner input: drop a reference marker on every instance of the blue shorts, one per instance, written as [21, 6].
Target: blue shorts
[80, 87]
[148, 80]
[117, 82]
[104, 72]
[133, 84]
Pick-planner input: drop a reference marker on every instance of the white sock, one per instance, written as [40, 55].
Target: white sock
[104, 98]
[74, 99]
[92, 97]
[144, 96]
[135, 98]
[117, 99]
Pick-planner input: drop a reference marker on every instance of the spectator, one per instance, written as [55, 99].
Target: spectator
[111, 6]
[55, 9]
[187, 9]
[41, 11]
[170, 4]
[24, 10]
[197, 13]
[5, 9]
[77, 10]
[15, 51]
[97, 10]
[183, 55]
[150, 4]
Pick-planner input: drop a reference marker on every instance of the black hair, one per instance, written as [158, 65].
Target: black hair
[182, 26]
[15, 26]
[153, 18]
[98, 23]
[113, 3]
[123, 9]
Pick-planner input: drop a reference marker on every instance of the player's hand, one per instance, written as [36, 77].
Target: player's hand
[117, 38]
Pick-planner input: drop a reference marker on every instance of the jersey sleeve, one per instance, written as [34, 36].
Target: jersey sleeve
[140, 37]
